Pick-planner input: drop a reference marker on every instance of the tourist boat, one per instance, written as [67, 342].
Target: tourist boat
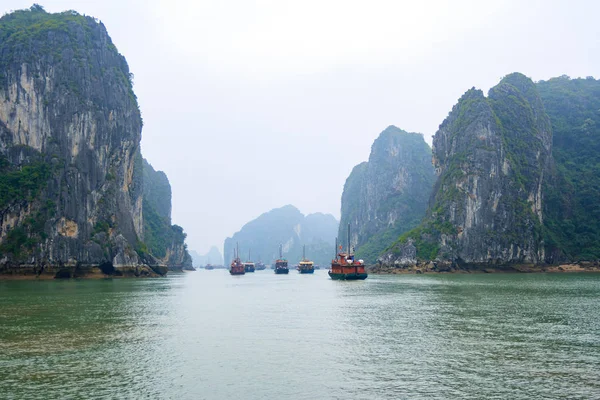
[209, 267]
[249, 265]
[345, 267]
[305, 266]
[237, 267]
[260, 266]
[281, 264]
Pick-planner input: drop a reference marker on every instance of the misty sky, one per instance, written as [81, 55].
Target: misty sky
[251, 105]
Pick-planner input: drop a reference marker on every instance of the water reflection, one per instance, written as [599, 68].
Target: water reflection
[209, 335]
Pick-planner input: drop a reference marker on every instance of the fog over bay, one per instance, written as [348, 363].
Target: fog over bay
[251, 105]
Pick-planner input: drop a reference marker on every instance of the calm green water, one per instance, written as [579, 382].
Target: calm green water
[207, 335]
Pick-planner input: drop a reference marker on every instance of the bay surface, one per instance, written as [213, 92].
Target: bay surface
[208, 335]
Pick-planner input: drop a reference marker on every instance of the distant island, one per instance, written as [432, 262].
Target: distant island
[287, 226]
[213, 257]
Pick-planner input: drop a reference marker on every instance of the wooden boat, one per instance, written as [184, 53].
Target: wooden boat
[237, 267]
[249, 265]
[260, 266]
[345, 267]
[305, 266]
[281, 264]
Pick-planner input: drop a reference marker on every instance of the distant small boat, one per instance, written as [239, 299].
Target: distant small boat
[345, 267]
[306, 266]
[281, 264]
[236, 267]
[249, 265]
[260, 266]
[209, 267]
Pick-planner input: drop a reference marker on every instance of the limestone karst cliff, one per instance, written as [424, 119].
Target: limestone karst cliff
[70, 131]
[387, 195]
[292, 229]
[492, 156]
[164, 241]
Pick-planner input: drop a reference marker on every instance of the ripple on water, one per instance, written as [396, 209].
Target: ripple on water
[208, 335]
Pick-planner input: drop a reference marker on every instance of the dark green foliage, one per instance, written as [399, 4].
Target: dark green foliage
[22, 183]
[387, 195]
[572, 206]
[413, 211]
[23, 239]
[67, 41]
[157, 190]
[478, 138]
[25, 183]
[159, 234]
[426, 236]
[101, 227]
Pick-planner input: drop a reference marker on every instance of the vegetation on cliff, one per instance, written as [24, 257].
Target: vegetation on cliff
[18, 183]
[387, 195]
[571, 207]
[70, 130]
[492, 155]
[519, 178]
[163, 240]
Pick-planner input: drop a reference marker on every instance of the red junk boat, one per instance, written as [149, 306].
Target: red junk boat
[237, 267]
[345, 267]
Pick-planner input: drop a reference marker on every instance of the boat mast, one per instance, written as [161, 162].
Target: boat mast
[237, 251]
[303, 252]
[353, 262]
[348, 239]
[335, 253]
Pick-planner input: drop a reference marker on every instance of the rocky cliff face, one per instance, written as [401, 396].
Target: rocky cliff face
[289, 227]
[164, 241]
[70, 130]
[387, 195]
[492, 156]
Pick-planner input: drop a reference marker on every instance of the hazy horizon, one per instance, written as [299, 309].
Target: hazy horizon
[249, 106]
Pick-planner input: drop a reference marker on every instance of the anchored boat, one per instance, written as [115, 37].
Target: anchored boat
[305, 266]
[236, 267]
[260, 266]
[249, 265]
[345, 267]
[281, 264]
